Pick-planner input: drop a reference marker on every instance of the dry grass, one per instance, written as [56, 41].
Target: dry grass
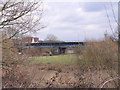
[102, 54]
[97, 63]
[100, 61]
[11, 75]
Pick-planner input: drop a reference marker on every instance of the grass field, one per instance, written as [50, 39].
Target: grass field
[56, 59]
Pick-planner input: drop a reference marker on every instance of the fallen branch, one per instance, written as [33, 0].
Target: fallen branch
[101, 86]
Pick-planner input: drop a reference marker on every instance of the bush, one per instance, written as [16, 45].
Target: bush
[98, 62]
[99, 53]
[12, 76]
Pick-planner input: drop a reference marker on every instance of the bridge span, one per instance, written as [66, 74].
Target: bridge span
[59, 47]
[56, 44]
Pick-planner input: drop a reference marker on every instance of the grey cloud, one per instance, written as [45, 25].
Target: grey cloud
[72, 19]
[74, 23]
[94, 6]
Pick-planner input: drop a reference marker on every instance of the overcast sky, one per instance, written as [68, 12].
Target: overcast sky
[77, 21]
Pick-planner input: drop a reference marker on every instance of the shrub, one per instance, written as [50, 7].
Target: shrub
[99, 53]
[98, 61]
[12, 76]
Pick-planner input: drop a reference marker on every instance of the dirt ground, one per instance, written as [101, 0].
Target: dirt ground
[58, 75]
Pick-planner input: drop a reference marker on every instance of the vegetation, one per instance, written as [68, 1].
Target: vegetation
[102, 54]
[94, 64]
[56, 59]
[101, 57]
[16, 19]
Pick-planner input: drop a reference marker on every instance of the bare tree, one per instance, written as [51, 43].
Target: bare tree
[51, 37]
[115, 32]
[20, 17]
[16, 19]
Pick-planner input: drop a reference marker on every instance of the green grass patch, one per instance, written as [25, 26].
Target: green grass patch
[56, 59]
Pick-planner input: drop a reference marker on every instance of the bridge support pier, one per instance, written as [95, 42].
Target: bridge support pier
[58, 50]
[62, 50]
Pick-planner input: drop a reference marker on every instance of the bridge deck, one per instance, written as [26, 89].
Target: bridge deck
[56, 44]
